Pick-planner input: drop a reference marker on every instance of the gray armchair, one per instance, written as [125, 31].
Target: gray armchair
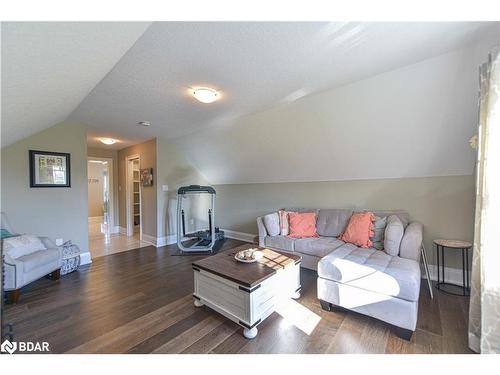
[25, 269]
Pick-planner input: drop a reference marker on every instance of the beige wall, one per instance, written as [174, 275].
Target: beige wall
[95, 189]
[110, 154]
[410, 122]
[445, 205]
[175, 171]
[147, 154]
[52, 212]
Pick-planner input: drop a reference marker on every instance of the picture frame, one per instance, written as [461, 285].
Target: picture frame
[147, 176]
[49, 169]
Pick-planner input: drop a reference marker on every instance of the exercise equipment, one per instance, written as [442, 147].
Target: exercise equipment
[207, 241]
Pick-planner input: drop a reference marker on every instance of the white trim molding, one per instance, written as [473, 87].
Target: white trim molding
[85, 258]
[172, 238]
[169, 240]
[246, 237]
[452, 275]
[166, 240]
[149, 239]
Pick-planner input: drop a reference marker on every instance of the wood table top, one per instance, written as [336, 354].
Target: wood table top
[454, 244]
[247, 274]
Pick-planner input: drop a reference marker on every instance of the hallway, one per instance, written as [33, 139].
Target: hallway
[116, 243]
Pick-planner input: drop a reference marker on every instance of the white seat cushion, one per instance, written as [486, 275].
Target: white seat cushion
[38, 259]
[372, 270]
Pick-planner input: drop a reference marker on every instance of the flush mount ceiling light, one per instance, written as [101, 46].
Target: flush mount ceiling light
[107, 141]
[205, 94]
[144, 123]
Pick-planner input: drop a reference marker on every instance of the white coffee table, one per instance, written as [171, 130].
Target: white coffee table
[246, 293]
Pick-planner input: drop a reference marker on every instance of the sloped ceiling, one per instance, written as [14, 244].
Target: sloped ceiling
[411, 122]
[273, 74]
[48, 68]
[256, 66]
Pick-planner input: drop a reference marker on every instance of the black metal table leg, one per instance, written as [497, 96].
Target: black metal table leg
[467, 269]
[463, 272]
[438, 274]
[442, 263]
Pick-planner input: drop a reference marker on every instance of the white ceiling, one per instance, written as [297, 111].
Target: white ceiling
[411, 122]
[256, 66]
[48, 68]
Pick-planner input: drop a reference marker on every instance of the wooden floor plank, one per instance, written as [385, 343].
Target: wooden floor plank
[123, 338]
[232, 344]
[140, 301]
[190, 336]
[168, 334]
[348, 337]
[212, 339]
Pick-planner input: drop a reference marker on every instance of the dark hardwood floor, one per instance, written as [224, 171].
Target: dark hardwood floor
[140, 301]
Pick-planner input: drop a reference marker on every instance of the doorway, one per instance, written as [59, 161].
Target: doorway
[105, 237]
[134, 196]
[100, 197]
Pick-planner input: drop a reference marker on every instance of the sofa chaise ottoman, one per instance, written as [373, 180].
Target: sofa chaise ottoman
[368, 281]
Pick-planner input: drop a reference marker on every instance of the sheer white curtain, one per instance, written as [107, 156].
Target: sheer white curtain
[484, 313]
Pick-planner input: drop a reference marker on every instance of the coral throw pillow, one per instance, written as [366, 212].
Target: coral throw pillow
[360, 229]
[302, 225]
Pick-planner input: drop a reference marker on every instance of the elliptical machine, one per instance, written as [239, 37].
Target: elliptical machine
[208, 241]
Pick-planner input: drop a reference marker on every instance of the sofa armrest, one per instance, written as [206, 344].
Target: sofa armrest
[13, 271]
[412, 241]
[49, 244]
[262, 231]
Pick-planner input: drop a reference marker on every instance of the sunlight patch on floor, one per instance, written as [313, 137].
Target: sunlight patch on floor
[294, 314]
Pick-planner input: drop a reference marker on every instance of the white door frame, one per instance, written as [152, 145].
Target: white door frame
[110, 189]
[129, 198]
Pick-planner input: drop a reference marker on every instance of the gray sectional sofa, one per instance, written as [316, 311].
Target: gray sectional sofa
[367, 281]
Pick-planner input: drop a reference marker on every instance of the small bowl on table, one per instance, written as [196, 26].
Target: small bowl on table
[248, 256]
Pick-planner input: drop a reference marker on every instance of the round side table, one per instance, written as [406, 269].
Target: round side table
[456, 245]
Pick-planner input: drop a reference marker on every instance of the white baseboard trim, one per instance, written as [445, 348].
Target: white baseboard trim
[172, 238]
[246, 237]
[85, 258]
[166, 240]
[149, 239]
[452, 275]
[155, 241]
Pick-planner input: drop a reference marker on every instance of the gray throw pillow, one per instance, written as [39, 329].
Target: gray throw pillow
[394, 231]
[272, 223]
[378, 229]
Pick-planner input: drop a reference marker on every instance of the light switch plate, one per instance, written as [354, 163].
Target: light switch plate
[164, 187]
[59, 241]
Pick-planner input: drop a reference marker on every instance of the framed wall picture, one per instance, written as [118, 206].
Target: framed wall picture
[49, 169]
[147, 177]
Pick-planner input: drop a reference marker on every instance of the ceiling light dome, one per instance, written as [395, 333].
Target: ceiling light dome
[108, 141]
[206, 94]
